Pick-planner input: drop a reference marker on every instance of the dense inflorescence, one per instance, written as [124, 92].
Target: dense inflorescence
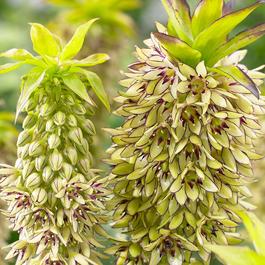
[54, 196]
[182, 158]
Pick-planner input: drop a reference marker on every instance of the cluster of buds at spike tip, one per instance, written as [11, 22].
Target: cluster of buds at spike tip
[55, 198]
[182, 158]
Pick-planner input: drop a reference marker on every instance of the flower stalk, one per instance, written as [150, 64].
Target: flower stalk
[182, 158]
[55, 197]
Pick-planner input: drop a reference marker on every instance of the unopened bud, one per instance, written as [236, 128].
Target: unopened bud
[56, 160]
[69, 100]
[84, 147]
[27, 169]
[35, 149]
[39, 162]
[47, 174]
[50, 126]
[71, 153]
[33, 180]
[89, 127]
[54, 141]
[23, 138]
[23, 152]
[39, 196]
[29, 121]
[79, 109]
[46, 109]
[58, 184]
[84, 165]
[76, 135]
[72, 120]
[59, 118]
[66, 171]
[19, 164]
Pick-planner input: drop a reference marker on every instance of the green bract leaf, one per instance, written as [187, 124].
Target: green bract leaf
[179, 49]
[44, 41]
[209, 39]
[237, 255]
[33, 80]
[75, 44]
[205, 14]
[77, 86]
[238, 75]
[256, 230]
[17, 54]
[5, 68]
[97, 86]
[179, 17]
[241, 40]
[92, 60]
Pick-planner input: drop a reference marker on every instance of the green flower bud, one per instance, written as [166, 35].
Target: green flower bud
[79, 109]
[33, 180]
[84, 166]
[39, 162]
[23, 138]
[27, 169]
[39, 196]
[23, 152]
[66, 171]
[72, 121]
[54, 141]
[47, 174]
[71, 153]
[56, 160]
[47, 109]
[76, 135]
[35, 148]
[59, 118]
[50, 126]
[29, 121]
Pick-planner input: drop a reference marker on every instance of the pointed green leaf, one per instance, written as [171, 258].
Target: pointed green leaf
[205, 14]
[97, 86]
[239, 76]
[179, 18]
[179, 49]
[236, 255]
[92, 60]
[77, 86]
[32, 82]
[17, 54]
[44, 42]
[240, 41]
[76, 43]
[209, 39]
[5, 68]
[256, 230]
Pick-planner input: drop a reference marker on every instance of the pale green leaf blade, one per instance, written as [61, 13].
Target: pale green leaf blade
[77, 86]
[92, 60]
[236, 255]
[240, 41]
[44, 42]
[179, 49]
[209, 39]
[179, 17]
[9, 67]
[97, 87]
[205, 14]
[239, 76]
[17, 54]
[256, 230]
[75, 44]
[32, 82]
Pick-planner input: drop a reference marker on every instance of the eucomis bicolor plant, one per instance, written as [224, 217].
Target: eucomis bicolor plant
[55, 198]
[182, 158]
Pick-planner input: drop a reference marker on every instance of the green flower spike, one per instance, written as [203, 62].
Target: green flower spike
[182, 158]
[54, 196]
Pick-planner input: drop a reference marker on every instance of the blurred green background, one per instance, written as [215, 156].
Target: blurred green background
[16, 14]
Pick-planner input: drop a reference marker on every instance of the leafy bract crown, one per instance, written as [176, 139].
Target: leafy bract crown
[204, 36]
[57, 61]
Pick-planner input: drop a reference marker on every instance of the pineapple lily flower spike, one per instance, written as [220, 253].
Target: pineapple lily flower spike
[181, 161]
[54, 196]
